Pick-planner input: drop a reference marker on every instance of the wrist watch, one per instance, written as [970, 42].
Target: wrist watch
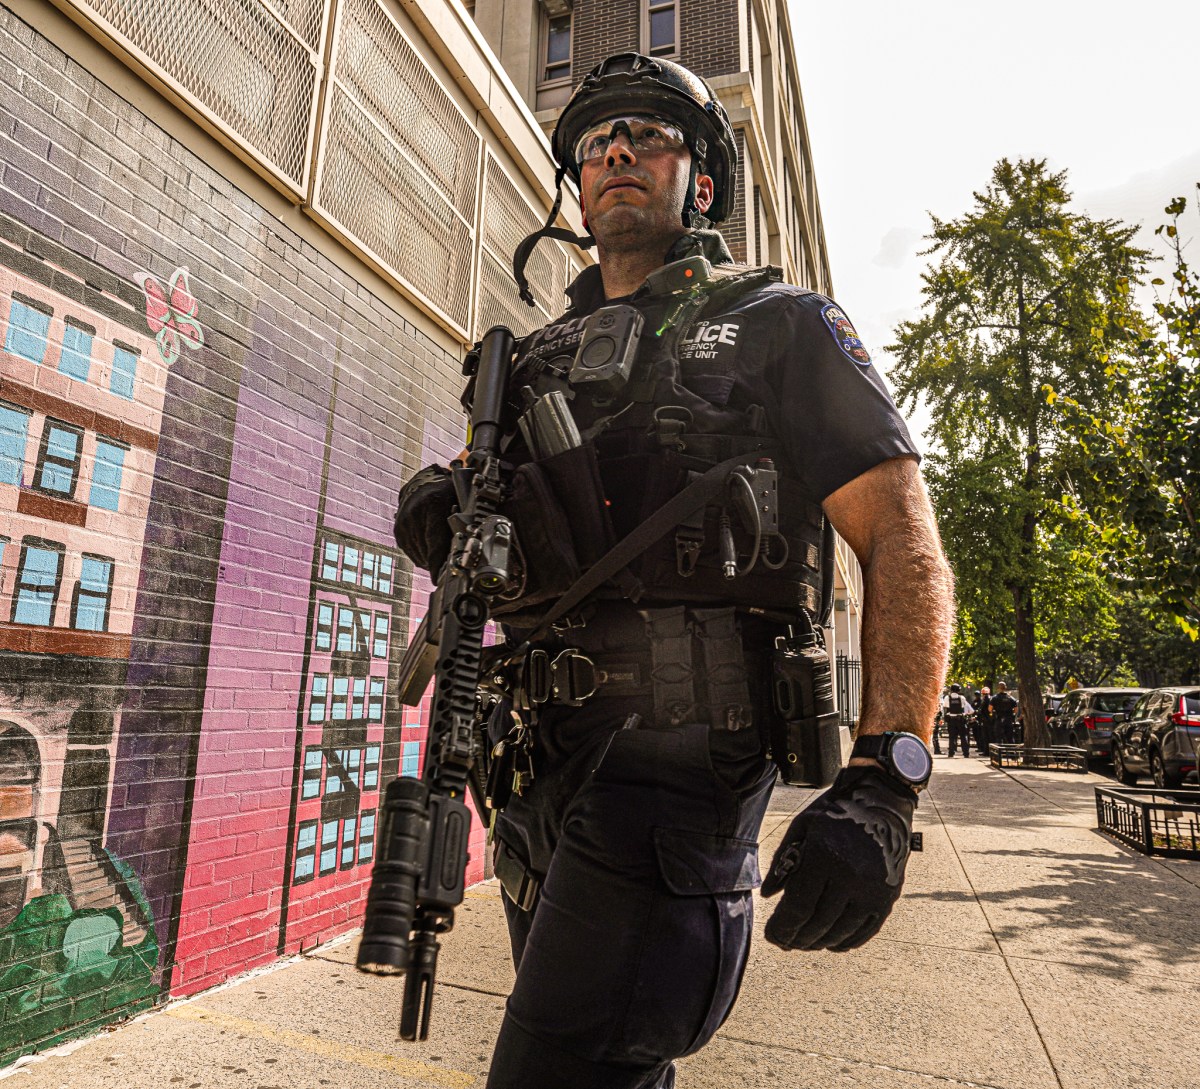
[903, 756]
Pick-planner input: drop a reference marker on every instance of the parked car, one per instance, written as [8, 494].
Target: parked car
[1052, 701]
[1086, 717]
[1160, 737]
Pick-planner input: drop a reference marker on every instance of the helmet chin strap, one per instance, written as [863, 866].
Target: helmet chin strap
[525, 250]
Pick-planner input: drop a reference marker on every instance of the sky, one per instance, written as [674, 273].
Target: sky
[910, 105]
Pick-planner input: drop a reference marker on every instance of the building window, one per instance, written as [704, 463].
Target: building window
[662, 35]
[350, 564]
[306, 852]
[93, 594]
[368, 571]
[28, 329]
[349, 827]
[58, 460]
[75, 360]
[38, 580]
[310, 787]
[316, 704]
[347, 639]
[124, 371]
[556, 58]
[358, 709]
[14, 433]
[385, 574]
[366, 836]
[411, 759]
[106, 475]
[329, 847]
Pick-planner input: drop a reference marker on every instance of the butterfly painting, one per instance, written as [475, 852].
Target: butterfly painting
[171, 311]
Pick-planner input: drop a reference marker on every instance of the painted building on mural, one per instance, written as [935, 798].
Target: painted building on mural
[239, 271]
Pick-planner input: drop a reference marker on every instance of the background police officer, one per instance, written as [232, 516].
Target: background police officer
[955, 709]
[629, 859]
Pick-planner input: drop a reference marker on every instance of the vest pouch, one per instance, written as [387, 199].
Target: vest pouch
[780, 593]
[557, 508]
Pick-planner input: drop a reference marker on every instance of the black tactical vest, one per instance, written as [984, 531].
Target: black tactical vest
[640, 448]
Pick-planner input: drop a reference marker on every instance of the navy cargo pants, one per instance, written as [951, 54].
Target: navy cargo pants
[645, 841]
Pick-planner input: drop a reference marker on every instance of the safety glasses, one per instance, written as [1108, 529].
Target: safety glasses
[643, 133]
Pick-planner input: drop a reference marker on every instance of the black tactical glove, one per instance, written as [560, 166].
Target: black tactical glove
[422, 527]
[841, 864]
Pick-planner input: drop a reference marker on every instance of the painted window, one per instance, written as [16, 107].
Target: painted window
[349, 827]
[411, 760]
[556, 58]
[366, 836]
[14, 434]
[311, 785]
[28, 329]
[39, 577]
[375, 706]
[306, 851]
[320, 692]
[369, 563]
[93, 595]
[324, 637]
[347, 638]
[106, 475]
[329, 568]
[124, 371]
[339, 710]
[385, 574]
[379, 646]
[329, 847]
[358, 708]
[662, 36]
[350, 564]
[75, 360]
[370, 761]
[58, 461]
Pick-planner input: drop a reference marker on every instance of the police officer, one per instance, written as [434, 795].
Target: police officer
[1004, 709]
[639, 708]
[955, 709]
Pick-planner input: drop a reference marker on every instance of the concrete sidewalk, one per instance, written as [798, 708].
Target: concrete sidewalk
[1028, 952]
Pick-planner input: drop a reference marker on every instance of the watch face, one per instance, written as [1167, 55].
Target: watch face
[911, 759]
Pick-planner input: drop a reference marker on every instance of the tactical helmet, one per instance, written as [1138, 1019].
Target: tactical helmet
[956, 688]
[630, 82]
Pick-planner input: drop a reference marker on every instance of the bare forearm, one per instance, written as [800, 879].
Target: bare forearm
[908, 614]
[908, 592]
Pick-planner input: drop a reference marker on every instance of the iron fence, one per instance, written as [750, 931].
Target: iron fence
[1155, 822]
[849, 689]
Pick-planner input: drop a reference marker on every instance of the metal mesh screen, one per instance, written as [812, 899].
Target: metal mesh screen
[373, 191]
[391, 83]
[245, 63]
[507, 219]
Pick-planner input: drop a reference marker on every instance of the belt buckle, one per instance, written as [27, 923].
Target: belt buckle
[573, 678]
[537, 679]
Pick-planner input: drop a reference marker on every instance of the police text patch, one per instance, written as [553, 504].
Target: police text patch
[843, 332]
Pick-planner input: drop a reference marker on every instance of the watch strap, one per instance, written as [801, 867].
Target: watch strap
[871, 746]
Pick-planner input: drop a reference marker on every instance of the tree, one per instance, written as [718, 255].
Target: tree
[1140, 488]
[1024, 293]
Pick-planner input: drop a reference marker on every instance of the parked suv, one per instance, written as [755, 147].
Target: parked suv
[1160, 737]
[1086, 717]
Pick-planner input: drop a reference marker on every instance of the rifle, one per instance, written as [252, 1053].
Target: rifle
[424, 824]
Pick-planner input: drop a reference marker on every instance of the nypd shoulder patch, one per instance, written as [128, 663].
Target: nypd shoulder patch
[845, 336]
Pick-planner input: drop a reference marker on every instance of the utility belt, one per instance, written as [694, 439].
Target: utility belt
[690, 664]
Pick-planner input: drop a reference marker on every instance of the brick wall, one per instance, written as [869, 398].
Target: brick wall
[708, 34]
[191, 765]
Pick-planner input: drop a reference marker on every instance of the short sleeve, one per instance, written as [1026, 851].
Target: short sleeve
[833, 413]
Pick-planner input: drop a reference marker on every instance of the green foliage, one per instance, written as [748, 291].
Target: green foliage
[1022, 293]
[1139, 490]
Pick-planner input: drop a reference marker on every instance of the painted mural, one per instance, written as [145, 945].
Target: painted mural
[81, 399]
[203, 424]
